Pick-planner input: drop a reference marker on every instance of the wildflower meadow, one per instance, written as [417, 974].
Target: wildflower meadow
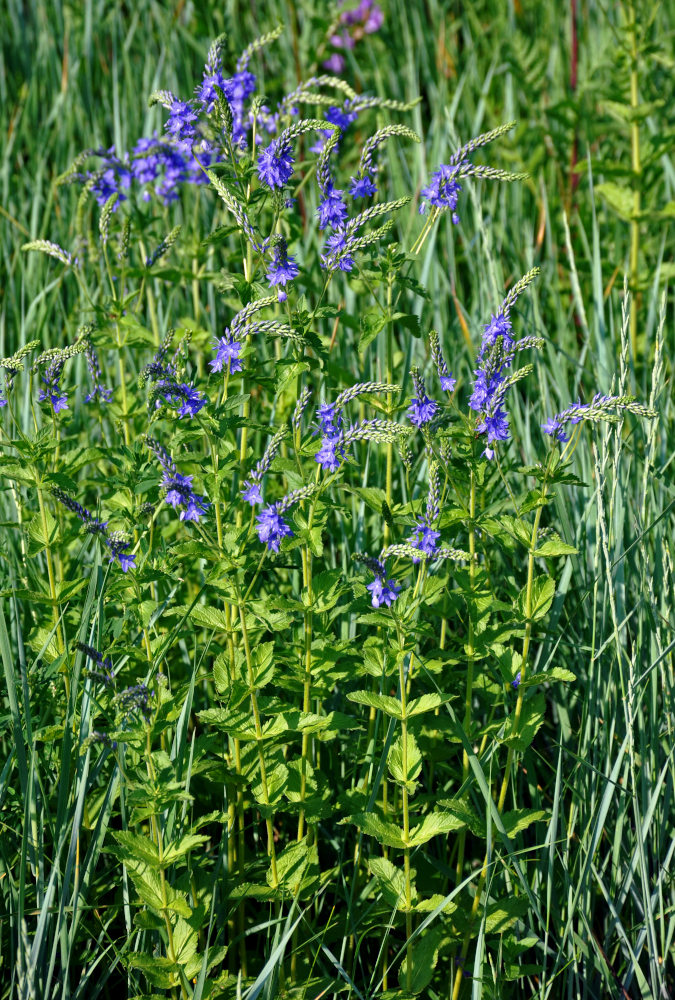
[336, 583]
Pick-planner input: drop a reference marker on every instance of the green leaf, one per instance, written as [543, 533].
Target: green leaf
[432, 825]
[618, 197]
[372, 322]
[133, 848]
[554, 546]
[263, 670]
[390, 881]
[543, 589]
[554, 674]
[387, 834]
[39, 539]
[531, 720]
[179, 848]
[390, 706]
[297, 867]
[504, 914]
[519, 819]
[413, 765]
[423, 961]
[425, 703]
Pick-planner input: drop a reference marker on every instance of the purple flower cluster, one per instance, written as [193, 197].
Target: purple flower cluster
[446, 378]
[271, 527]
[98, 389]
[443, 189]
[425, 538]
[487, 398]
[422, 409]
[251, 492]
[228, 352]
[354, 24]
[53, 393]
[574, 414]
[114, 540]
[330, 454]
[177, 488]
[382, 590]
[237, 90]
[275, 163]
[282, 269]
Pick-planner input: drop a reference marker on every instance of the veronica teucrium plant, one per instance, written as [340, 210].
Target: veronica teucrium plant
[317, 565]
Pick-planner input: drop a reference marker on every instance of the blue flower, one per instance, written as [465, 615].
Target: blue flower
[228, 352]
[53, 394]
[251, 492]
[330, 421]
[515, 683]
[275, 164]
[421, 410]
[327, 455]
[272, 528]
[443, 190]
[342, 117]
[383, 591]
[282, 270]
[337, 253]
[425, 538]
[362, 187]
[332, 211]
[179, 124]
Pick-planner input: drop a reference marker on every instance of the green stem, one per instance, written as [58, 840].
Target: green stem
[406, 827]
[259, 740]
[514, 732]
[60, 640]
[468, 699]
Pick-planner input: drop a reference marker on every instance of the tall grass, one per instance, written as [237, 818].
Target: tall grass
[600, 875]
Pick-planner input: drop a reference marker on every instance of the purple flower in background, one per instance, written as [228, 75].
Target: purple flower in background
[118, 545]
[515, 683]
[228, 352]
[362, 20]
[271, 527]
[100, 390]
[275, 164]
[176, 487]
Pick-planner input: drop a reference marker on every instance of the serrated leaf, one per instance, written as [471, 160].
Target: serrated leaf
[423, 961]
[554, 546]
[554, 674]
[503, 914]
[425, 703]
[519, 819]
[387, 834]
[179, 848]
[371, 323]
[390, 881]
[531, 720]
[618, 197]
[433, 825]
[413, 765]
[134, 848]
[390, 706]
[543, 589]
[297, 867]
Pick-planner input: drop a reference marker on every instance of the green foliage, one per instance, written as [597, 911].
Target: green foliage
[266, 786]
